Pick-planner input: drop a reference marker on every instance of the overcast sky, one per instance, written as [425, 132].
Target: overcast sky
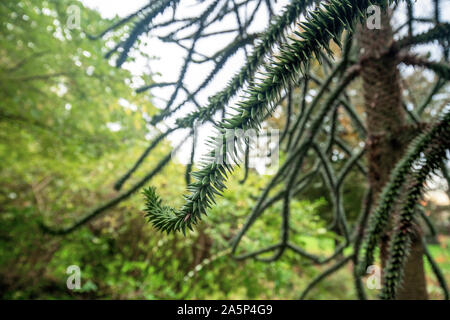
[170, 57]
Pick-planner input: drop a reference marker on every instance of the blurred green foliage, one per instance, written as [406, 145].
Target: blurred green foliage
[70, 125]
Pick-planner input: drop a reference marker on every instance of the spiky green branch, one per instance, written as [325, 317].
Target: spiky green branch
[325, 24]
[380, 217]
[403, 233]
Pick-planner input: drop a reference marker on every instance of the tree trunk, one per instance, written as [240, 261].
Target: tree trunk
[385, 121]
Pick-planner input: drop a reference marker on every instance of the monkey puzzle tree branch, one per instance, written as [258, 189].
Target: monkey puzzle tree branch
[380, 217]
[403, 232]
[287, 126]
[360, 227]
[437, 272]
[121, 22]
[305, 116]
[335, 267]
[335, 191]
[439, 32]
[427, 220]
[155, 85]
[189, 166]
[156, 7]
[426, 102]
[441, 69]
[246, 164]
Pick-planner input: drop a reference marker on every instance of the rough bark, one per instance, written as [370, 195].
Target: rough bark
[385, 119]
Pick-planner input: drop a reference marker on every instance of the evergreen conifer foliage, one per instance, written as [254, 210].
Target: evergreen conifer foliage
[311, 132]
